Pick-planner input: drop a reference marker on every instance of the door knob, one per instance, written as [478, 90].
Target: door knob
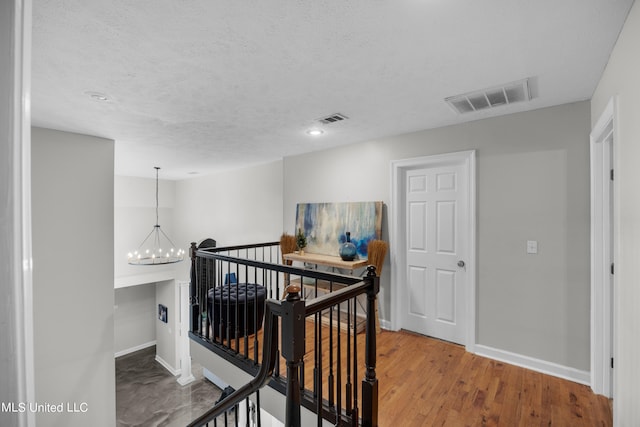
[460, 263]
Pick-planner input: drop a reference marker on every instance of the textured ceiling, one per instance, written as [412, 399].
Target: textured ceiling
[208, 85]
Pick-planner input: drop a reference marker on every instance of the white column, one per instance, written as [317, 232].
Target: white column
[186, 376]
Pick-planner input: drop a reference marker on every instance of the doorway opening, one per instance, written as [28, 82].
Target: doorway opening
[602, 251]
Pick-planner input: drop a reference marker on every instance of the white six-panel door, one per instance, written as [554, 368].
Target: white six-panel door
[434, 293]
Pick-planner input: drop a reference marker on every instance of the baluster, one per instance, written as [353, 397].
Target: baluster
[339, 369]
[318, 368]
[245, 311]
[354, 416]
[210, 268]
[258, 411]
[193, 291]
[330, 382]
[202, 297]
[235, 415]
[347, 389]
[247, 411]
[218, 332]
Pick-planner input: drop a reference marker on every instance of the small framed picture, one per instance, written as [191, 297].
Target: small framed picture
[162, 313]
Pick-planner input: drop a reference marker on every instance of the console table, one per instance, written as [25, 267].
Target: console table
[327, 260]
[323, 285]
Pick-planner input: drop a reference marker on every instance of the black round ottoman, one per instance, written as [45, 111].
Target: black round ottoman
[236, 309]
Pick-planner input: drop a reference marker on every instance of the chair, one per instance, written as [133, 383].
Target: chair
[288, 245]
[376, 252]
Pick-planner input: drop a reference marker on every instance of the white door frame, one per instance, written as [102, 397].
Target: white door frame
[398, 226]
[15, 250]
[602, 323]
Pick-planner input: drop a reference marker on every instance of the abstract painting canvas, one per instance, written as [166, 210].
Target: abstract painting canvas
[325, 225]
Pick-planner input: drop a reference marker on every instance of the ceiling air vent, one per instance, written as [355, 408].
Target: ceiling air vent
[489, 98]
[333, 118]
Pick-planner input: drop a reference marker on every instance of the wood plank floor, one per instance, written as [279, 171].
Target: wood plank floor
[428, 382]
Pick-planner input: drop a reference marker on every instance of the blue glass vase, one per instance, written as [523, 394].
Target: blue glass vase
[348, 249]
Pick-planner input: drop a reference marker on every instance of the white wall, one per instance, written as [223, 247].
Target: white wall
[620, 79]
[72, 196]
[533, 184]
[242, 206]
[135, 314]
[166, 345]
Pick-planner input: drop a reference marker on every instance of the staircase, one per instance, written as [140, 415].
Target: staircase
[317, 365]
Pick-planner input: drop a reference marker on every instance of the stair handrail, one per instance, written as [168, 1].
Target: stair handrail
[269, 352]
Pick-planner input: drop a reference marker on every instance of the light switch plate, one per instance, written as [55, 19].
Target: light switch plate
[532, 246]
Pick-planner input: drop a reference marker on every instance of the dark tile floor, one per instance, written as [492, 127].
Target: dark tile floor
[148, 395]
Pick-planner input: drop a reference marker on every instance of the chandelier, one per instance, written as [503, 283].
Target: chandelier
[157, 248]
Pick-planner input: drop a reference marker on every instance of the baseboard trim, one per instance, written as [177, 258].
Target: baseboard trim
[214, 379]
[134, 349]
[187, 380]
[167, 366]
[538, 365]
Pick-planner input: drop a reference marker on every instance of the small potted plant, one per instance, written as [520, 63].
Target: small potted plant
[301, 241]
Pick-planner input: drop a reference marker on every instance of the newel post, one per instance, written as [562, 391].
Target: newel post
[370, 382]
[193, 296]
[293, 311]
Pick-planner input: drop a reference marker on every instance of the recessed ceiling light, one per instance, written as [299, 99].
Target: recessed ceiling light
[315, 132]
[98, 96]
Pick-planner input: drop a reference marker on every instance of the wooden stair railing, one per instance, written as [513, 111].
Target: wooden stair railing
[270, 348]
[294, 312]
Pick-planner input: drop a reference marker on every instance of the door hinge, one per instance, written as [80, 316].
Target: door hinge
[612, 268]
[611, 174]
[612, 363]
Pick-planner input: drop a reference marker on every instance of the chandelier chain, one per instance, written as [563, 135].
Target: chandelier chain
[157, 251]
[157, 203]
